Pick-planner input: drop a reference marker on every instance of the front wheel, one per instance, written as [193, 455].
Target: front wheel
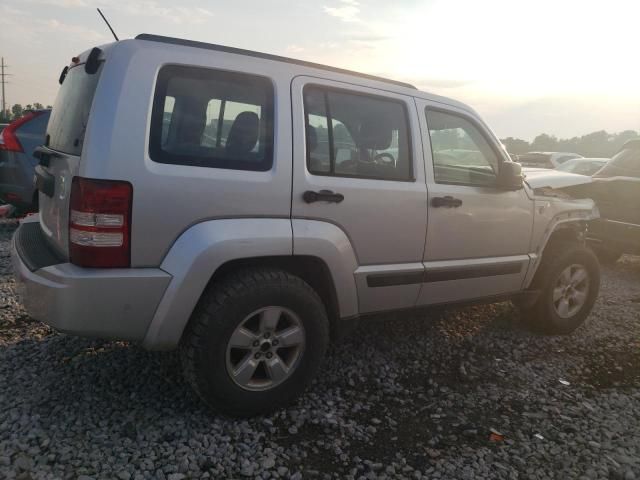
[568, 280]
[254, 342]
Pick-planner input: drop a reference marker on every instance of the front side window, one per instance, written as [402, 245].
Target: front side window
[212, 118]
[461, 154]
[355, 135]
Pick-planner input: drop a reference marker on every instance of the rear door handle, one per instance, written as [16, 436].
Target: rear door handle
[447, 202]
[322, 196]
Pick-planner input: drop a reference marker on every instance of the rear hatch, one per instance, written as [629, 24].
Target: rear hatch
[61, 155]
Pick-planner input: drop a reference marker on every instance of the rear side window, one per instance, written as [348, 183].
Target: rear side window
[212, 118]
[355, 135]
[70, 114]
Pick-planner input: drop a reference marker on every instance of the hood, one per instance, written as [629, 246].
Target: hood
[546, 178]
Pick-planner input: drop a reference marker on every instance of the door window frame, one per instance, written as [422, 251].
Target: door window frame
[481, 129]
[346, 91]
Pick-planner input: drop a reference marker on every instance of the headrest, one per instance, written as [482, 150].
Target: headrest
[375, 133]
[243, 134]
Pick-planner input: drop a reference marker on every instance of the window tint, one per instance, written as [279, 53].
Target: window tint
[461, 154]
[70, 114]
[356, 135]
[211, 118]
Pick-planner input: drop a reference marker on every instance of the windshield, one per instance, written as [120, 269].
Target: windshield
[625, 163]
[70, 113]
[568, 166]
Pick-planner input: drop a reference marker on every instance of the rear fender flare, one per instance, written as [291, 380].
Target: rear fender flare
[194, 258]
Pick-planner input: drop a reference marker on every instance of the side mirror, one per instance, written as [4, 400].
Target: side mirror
[510, 176]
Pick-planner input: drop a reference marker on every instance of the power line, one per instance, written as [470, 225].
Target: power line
[3, 80]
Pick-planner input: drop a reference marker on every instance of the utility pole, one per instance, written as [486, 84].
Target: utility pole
[3, 81]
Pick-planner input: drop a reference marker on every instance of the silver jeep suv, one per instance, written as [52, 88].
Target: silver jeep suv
[245, 208]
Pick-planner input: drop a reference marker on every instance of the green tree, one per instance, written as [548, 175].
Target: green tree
[38, 106]
[544, 143]
[16, 111]
[516, 146]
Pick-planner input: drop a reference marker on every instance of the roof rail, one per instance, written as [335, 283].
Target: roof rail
[266, 56]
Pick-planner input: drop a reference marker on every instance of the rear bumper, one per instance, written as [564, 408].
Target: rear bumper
[106, 303]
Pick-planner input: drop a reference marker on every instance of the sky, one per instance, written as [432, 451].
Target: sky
[563, 67]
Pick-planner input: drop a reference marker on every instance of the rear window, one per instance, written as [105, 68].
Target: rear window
[212, 118]
[70, 114]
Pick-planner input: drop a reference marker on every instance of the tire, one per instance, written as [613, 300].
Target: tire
[544, 315]
[238, 307]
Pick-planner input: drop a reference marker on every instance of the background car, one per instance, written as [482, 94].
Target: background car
[2, 125]
[583, 166]
[546, 159]
[616, 191]
[17, 143]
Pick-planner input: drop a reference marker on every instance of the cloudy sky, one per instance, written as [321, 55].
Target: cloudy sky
[565, 67]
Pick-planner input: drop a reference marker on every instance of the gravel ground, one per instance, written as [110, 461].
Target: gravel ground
[406, 397]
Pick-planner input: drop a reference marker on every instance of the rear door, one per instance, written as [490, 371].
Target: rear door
[357, 165]
[61, 155]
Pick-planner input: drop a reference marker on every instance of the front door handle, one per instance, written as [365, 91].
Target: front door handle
[447, 202]
[322, 196]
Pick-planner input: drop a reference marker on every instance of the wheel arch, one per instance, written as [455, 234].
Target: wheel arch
[562, 230]
[211, 250]
[313, 270]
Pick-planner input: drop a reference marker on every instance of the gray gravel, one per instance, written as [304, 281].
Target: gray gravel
[406, 397]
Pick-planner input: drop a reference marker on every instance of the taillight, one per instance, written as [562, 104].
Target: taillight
[100, 223]
[8, 136]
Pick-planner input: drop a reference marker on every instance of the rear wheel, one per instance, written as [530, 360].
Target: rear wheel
[254, 342]
[568, 280]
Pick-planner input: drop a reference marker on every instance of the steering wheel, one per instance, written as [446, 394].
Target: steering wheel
[384, 158]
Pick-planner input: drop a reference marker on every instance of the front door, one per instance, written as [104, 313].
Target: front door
[358, 165]
[478, 234]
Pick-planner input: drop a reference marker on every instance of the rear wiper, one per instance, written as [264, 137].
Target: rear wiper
[63, 75]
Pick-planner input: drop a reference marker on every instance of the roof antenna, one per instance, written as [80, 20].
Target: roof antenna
[107, 22]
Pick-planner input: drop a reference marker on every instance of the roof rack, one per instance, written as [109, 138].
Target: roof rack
[266, 56]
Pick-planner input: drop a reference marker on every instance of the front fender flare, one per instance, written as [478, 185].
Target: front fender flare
[577, 218]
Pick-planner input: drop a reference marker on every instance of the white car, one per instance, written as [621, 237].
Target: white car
[583, 166]
[245, 208]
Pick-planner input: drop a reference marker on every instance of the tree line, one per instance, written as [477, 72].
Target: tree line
[599, 144]
[17, 111]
